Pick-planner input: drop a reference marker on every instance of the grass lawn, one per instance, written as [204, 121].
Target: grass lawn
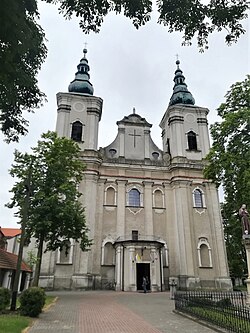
[225, 318]
[14, 323]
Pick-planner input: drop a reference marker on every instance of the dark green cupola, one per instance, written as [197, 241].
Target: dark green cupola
[81, 83]
[181, 95]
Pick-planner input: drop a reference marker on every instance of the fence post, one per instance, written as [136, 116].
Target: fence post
[172, 286]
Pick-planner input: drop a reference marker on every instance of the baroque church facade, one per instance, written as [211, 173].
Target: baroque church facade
[150, 211]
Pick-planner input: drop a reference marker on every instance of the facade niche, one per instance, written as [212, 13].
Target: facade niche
[65, 254]
[158, 199]
[204, 253]
[110, 196]
[108, 258]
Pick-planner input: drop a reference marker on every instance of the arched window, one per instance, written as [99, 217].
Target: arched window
[76, 133]
[198, 198]
[134, 198]
[158, 199]
[192, 140]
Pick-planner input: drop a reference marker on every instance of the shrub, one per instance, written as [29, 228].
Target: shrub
[32, 301]
[4, 298]
[224, 303]
[201, 301]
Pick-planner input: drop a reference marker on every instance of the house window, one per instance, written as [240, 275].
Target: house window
[76, 133]
[65, 254]
[192, 140]
[198, 198]
[134, 198]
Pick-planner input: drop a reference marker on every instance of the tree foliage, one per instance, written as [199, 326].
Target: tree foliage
[55, 214]
[192, 17]
[22, 48]
[229, 163]
[22, 51]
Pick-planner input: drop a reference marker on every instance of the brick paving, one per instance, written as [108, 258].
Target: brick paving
[113, 312]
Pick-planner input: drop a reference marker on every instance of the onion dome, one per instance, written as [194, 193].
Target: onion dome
[181, 95]
[81, 83]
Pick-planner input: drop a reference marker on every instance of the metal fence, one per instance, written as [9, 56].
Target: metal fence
[227, 310]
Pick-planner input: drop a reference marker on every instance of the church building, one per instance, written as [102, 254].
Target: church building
[150, 211]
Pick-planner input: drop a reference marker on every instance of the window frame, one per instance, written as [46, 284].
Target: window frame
[202, 198]
[134, 198]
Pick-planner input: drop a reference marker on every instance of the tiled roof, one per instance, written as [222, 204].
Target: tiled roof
[9, 260]
[11, 232]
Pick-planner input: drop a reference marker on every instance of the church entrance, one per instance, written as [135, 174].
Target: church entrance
[142, 269]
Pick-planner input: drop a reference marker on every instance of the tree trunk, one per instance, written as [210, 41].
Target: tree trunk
[39, 262]
[22, 241]
[18, 271]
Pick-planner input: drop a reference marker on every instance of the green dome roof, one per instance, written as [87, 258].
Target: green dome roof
[181, 95]
[81, 83]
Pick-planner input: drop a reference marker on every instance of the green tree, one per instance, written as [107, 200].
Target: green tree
[22, 48]
[55, 214]
[22, 52]
[229, 166]
[192, 17]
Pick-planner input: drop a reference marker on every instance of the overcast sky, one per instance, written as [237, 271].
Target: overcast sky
[128, 68]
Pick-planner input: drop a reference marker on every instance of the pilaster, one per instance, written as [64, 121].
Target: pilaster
[121, 204]
[149, 228]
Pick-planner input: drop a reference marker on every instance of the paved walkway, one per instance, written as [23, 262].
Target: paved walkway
[114, 312]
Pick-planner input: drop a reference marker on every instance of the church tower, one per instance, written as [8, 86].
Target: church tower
[79, 111]
[198, 236]
[150, 211]
[184, 125]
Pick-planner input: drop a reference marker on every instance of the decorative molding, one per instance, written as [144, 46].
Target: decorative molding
[201, 211]
[134, 210]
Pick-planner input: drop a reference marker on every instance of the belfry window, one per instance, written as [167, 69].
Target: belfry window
[134, 198]
[76, 133]
[192, 140]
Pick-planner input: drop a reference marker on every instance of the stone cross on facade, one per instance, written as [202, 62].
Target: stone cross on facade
[134, 135]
